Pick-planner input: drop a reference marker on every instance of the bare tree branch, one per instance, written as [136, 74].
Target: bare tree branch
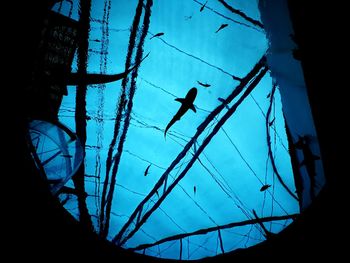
[120, 106]
[228, 18]
[241, 14]
[268, 138]
[117, 157]
[216, 228]
[80, 111]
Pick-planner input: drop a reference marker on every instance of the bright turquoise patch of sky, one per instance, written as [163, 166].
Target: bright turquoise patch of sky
[237, 157]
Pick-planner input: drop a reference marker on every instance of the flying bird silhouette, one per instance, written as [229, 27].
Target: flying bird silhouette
[264, 187]
[186, 104]
[204, 84]
[194, 190]
[157, 35]
[203, 6]
[147, 169]
[188, 17]
[221, 27]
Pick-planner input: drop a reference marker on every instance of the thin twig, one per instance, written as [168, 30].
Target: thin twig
[268, 138]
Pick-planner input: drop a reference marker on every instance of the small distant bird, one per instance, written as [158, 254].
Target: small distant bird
[221, 27]
[157, 35]
[188, 17]
[146, 171]
[194, 189]
[264, 187]
[204, 84]
[223, 101]
[268, 95]
[203, 6]
[271, 122]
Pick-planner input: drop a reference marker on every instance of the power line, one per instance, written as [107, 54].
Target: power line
[199, 59]
[216, 228]
[270, 150]
[228, 18]
[242, 14]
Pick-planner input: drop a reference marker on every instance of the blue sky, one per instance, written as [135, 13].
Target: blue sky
[236, 158]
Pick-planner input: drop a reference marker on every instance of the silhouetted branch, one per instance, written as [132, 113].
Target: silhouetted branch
[80, 112]
[111, 29]
[269, 146]
[241, 14]
[260, 65]
[132, 90]
[180, 257]
[221, 242]
[226, 17]
[199, 59]
[120, 108]
[117, 157]
[101, 99]
[90, 79]
[298, 181]
[267, 234]
[216, 228]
